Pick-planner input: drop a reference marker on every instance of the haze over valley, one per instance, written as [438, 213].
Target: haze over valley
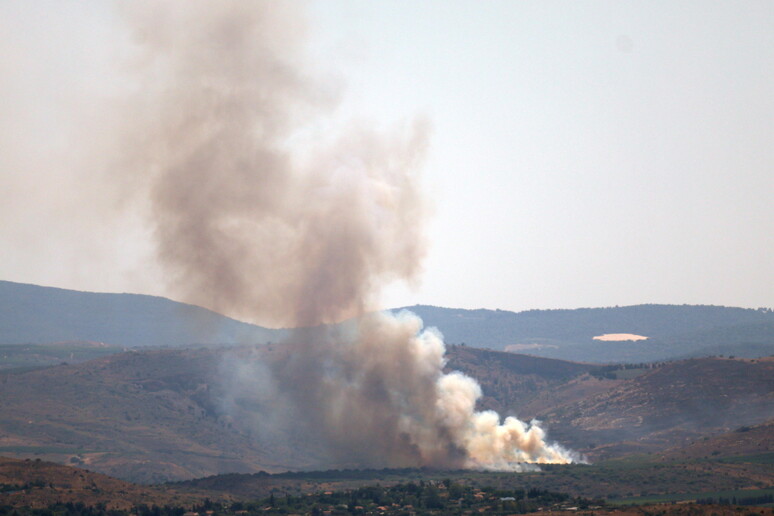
[206, 399]
[246, 246]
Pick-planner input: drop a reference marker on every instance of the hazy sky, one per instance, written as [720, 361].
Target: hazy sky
[582, 153]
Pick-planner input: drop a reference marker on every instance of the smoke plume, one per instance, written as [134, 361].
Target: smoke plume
[375, 391]
[260, 211]
[250, 217]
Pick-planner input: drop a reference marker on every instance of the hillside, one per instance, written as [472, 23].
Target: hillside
[36, 484]
[745, 441]
[21, 357]
[30, 314]
[511, 382]
[667, 406]
[145, 416]
[169, 414]
[157, 415]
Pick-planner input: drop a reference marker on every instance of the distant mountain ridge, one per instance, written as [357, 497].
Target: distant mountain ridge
[651, 320]
[31, 314]
[673, 331]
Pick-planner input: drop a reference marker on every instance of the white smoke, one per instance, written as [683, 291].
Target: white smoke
[376, 393]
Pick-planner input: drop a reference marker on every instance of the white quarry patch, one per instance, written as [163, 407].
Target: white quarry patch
[619, 337]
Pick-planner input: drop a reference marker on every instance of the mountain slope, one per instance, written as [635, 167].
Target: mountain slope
[746, 441]
[31, 314]
[668, 406]
[145, 416]
[156, 415]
